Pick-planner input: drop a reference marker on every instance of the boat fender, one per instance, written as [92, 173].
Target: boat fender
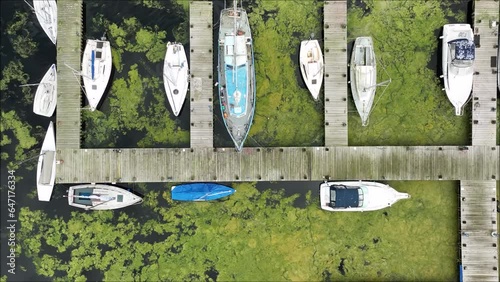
[225, 115]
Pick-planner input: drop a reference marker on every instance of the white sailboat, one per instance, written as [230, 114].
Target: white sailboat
[101, 197]
[46, 13]
[311, 66]
[358, 196]
[458, 63]
[176, 76]
[96, 70]
[46, 168]
[45, 100]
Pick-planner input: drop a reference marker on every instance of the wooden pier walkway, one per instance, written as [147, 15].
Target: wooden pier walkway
[478, 222]
[484, 103]
[69, 50]
[201, 68]
[335, 89]
[278, 164]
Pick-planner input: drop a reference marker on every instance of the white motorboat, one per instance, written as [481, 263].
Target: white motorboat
[101, 197]
[458, 63]
[176, 76]
[46, 169]
[96, 70]
[311, 66]
[363, 71]
[45, 100]
[46, 13]
[358, 196]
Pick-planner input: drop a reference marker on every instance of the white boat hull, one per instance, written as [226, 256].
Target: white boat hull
[176, 76]
[46, 168]
[46, 13]
[375, 196]
[311, 66]
[363, 71]
[457, 80]
[101, 197]
[96, 70]
[45, 100]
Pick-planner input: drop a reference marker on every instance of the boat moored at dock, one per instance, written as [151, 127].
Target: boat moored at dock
[198, 192]
[46, 13]
[46, 168]
[311, 66]
[96, 70]
[45, 100]
[101, 197]
[176, 76]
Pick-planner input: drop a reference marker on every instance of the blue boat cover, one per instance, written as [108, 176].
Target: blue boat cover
[344, 197]
[200, 192]
[464, 49]
[92, 58]
[237, 92]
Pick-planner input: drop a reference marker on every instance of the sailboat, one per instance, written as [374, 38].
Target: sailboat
[196, 192]
[46, 168]
[311, 66]
[458, 63]
[46, 13]
[96, 70]
[236, 73]
[45, 100]
[358, 196]
[101, 197]
[176, 76]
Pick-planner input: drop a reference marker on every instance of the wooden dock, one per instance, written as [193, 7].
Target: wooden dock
[201, 68]
[478, 222]
[335, 55]
[278, 164]
[484, 103]
[69, 50]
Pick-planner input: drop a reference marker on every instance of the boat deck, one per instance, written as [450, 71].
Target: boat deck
[484, 93]
[201, 69]
[478, 222]
[335, 80]
[69, 50]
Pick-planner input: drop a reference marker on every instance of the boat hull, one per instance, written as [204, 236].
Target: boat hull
[101, 197]
[236, 74]
[375, 196]
[176, 76]
[457, 80]
[96, 70]
[45, 100]
[311, 66]
[199, 192]
[46, 13]
[46, 168]
[363, 80]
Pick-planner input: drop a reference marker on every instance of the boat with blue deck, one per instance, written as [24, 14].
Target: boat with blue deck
[196, 192]
[236, 73]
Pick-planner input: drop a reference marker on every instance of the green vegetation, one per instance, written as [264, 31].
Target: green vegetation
[10, 122]
[253, 235]
[286, 115]
[413, 110]
[19, 36]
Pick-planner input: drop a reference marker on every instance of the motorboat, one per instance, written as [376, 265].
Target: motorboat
[46, 168]
[236, 73]
[311, 66]
[101, 197]
[458, 64]
[46, 13]
[196, 192]
[363, 80]
[96, 70]
[45, 100]
[358, 196]
[176, 76]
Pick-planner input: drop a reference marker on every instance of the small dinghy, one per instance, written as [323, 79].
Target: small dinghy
[311, 66]
[45, 100]
[358, 196]
[196, 192]
[46, 168]
[101, 197]
[176, 76]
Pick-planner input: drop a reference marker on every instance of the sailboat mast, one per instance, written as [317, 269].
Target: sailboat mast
[235, 49]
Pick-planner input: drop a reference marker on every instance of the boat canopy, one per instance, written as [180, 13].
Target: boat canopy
[342, 197]
[464, 49]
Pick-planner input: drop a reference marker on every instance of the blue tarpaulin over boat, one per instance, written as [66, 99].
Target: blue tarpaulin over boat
[200, 192]
[464, 49]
